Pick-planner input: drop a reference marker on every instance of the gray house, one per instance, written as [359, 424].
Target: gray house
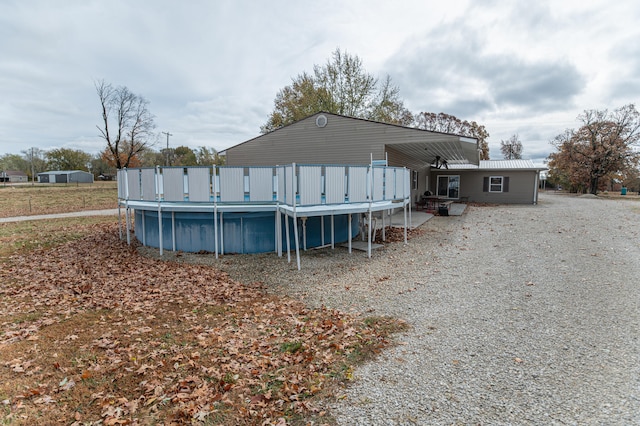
[444, 164]
[65, 176]
[13, 176]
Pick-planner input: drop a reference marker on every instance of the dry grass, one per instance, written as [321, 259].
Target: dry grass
[25, 200]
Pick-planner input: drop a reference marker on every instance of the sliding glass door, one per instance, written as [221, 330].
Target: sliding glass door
[449, 186]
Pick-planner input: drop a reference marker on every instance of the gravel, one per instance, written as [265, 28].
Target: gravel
[518, 314]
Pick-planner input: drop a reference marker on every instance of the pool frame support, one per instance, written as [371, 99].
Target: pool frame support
[144, 201]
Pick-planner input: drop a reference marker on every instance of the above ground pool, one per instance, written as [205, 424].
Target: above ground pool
[233, 209]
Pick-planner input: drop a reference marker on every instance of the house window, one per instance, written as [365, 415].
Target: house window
[414, 181]
[449, 186]
[496, 184]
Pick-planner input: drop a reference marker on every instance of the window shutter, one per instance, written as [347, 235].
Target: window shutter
[505, 184]
[485, 185]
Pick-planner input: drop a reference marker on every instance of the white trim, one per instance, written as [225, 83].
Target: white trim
[501, 184]
[448, 183]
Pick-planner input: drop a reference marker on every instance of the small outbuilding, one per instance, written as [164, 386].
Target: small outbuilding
[13, 176]
[65, 176]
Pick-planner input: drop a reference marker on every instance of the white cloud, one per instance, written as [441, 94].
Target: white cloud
[212, 69]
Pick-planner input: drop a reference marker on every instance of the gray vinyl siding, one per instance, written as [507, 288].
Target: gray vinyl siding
[343, 140]
[522, 184]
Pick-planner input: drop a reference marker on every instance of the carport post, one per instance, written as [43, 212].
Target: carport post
[405, 223]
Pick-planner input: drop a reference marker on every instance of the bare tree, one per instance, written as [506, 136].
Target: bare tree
[36, 158]
[127, 124]
[511, 148]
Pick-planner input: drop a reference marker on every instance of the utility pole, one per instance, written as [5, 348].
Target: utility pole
[168, 134]
[33, 176]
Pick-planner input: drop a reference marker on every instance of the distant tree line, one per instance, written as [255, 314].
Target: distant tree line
[38, 160]
[598, 154]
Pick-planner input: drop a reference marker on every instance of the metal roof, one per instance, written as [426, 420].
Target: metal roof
[452, 148]
[62, 172]
[498, 165]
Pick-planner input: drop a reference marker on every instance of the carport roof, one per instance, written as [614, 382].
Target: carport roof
[452, 148]
[498, 165]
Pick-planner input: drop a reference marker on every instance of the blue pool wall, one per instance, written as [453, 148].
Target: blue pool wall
[244, 233]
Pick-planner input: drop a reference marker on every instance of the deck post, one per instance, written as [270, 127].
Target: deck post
[157, 176]
[215, 210]
[294, 191]
[144, 228]
[333, 233]
[369, 236]
[383, 233]
[405, 224]
[128, 221]
[349, 232]
[279, 232]
[295, 234]
[119, 221]
[160, 229]
[304, 233]
[215, 228]
[275, 231]
[126, 205]
[173, 230]
[286, 227]
[221, 234]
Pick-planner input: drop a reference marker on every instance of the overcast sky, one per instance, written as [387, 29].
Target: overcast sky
[211, 69]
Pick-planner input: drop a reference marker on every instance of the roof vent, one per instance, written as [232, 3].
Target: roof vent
[321, 121]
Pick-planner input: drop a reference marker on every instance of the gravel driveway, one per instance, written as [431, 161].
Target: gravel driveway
[523, 315]
[519, 314]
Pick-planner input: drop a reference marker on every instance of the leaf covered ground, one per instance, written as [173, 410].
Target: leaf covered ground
[91, 332]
